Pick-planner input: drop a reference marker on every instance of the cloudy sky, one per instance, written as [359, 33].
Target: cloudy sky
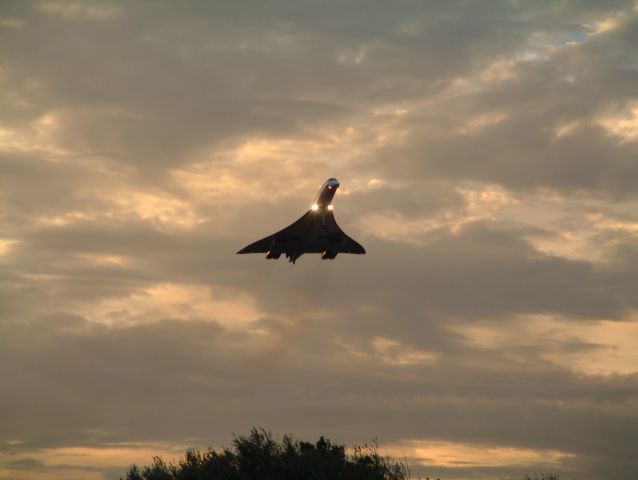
[488, 159]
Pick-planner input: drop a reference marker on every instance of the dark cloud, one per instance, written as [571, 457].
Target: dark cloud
[521, 149]
[126, 382]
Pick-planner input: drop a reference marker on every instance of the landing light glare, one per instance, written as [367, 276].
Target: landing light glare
[315, 207]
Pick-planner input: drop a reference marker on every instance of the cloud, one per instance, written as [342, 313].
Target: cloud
[79, 10]
[487, 164]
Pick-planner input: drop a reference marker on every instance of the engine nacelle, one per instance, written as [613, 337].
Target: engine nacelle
[271, 254]
[328, 255]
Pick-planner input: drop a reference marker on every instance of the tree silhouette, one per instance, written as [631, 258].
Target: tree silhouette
[258, 456]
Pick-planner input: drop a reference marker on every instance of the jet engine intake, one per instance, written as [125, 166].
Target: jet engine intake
[328, 255]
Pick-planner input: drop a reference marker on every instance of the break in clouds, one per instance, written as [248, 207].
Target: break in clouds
[488, 160]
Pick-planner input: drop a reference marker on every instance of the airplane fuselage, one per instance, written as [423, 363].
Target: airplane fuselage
[326, 194]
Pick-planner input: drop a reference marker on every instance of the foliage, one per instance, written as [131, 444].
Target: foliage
[258, 456]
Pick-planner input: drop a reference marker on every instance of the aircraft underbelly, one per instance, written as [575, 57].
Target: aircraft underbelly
[314, 232]
[322, 243]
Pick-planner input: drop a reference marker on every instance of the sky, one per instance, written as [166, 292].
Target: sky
[488, 160]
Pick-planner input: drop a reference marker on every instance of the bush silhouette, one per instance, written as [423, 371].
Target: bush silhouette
[258, 456]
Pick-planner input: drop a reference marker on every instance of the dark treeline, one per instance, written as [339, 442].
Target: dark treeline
[258, 456]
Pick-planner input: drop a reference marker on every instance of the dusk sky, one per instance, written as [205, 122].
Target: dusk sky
[488, 159]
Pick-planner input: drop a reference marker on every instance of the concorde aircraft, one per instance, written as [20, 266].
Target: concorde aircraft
[315, 232]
